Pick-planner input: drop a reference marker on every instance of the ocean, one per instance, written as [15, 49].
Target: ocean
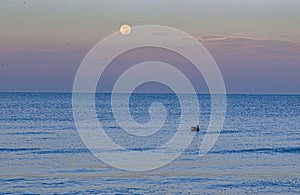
[257, 151]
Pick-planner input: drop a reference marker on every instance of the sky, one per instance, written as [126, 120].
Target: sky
[256, 44]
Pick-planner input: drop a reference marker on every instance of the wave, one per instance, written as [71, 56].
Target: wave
[292, 150]
[18, 149]
[63, 151]
[31, 133]
[288, 150]
[260, 183]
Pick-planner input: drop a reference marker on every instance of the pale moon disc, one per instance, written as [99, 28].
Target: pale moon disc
[125, 29]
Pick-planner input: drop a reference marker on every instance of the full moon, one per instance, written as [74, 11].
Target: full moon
[125, 29]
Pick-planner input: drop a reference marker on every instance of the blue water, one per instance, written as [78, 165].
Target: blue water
[258, 150]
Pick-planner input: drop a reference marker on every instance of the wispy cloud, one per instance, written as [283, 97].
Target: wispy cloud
[284, 35]
[256, 65]
[160, 33]
[236, 45]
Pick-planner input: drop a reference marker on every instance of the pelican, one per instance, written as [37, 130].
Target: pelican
[195, 129]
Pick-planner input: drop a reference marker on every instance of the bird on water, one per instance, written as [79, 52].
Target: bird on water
[195, 129]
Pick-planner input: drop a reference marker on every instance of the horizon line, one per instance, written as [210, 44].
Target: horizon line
[71, 92]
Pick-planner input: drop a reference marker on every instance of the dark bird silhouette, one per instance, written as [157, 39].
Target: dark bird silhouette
[195, 129]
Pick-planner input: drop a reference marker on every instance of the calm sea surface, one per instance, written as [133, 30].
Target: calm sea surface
[258, 150]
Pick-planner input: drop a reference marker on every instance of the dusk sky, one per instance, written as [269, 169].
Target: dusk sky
[255, 43]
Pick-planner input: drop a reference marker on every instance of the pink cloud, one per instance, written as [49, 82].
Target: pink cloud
[253, 65]
[248, 46]
[284, 35]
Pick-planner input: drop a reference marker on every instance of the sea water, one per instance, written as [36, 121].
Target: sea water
[258, 150]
